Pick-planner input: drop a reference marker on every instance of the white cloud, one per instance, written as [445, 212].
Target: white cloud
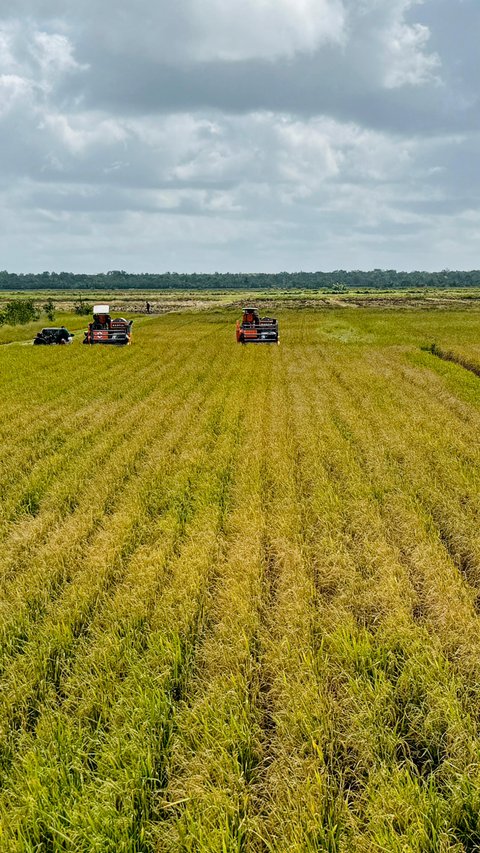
[201, 30]
[214, 134]
[7, 59]
[54, 54]
[79, 133]
[235, 30]
[410, 63]
[13, 90]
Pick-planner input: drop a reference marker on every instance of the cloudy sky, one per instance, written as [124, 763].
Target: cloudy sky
[239, 135]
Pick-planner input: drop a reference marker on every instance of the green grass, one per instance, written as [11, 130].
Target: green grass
[240, 587]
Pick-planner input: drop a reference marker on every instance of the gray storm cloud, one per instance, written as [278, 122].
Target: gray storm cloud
[217, 135]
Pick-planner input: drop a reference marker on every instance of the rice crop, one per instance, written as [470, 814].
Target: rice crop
[240, 588]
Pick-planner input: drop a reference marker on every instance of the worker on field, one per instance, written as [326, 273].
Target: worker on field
[148, 307]
[63, 335]
[101, 321]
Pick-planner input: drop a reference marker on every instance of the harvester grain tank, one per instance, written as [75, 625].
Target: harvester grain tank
[105, 330]
[253, 329]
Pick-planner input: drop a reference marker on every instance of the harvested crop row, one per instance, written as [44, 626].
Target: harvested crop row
[456, 358]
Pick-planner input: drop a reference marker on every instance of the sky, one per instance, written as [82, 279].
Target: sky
[239, 135]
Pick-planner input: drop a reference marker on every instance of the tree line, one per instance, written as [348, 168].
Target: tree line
[336, 281]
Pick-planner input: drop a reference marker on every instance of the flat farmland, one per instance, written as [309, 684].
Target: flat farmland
[240, 587]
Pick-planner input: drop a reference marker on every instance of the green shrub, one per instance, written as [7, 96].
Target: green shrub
[19, 311]
[82, 307]
[49, 309]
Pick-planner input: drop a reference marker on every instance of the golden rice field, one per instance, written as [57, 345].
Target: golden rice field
[240, 588]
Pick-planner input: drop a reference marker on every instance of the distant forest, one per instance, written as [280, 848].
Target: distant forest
[336, 281]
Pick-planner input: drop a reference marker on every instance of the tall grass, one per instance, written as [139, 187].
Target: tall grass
[240, 590]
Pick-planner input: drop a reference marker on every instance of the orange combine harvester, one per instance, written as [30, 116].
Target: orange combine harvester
[253, 329]
[105, 330]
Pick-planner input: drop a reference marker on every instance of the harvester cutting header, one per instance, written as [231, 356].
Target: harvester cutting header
[104, 330]
[253, 329]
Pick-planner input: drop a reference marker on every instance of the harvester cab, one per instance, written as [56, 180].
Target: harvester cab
[105, 330]
[253, 329]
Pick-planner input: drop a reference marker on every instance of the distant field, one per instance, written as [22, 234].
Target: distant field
[134, 301]
[240, 587]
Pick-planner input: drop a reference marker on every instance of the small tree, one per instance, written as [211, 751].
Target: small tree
[19, 311]
[49, 309]
[82, 307]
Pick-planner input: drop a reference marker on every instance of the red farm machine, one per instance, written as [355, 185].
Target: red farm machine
[253, 329]
[105, 330]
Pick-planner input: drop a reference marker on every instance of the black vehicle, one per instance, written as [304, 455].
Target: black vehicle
[59, 335]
